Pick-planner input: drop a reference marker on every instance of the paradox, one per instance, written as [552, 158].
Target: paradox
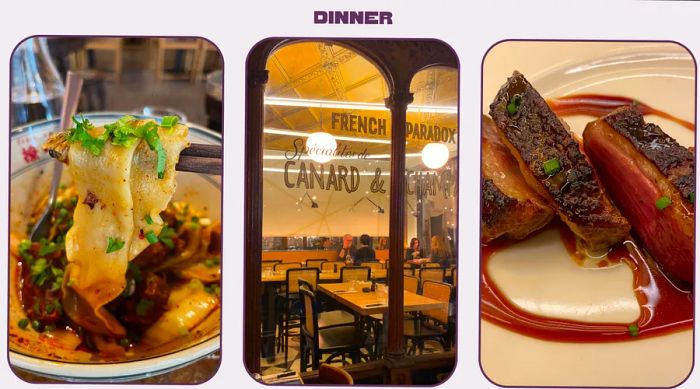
[352, 17]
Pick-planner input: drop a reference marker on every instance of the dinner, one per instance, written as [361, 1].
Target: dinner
[125, 271]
